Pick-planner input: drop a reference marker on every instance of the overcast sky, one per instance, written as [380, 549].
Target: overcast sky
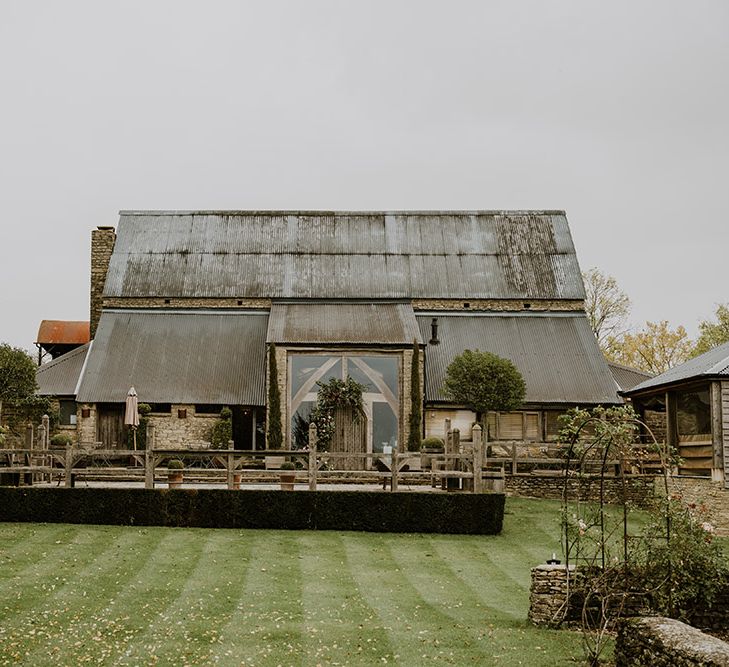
[617, 112]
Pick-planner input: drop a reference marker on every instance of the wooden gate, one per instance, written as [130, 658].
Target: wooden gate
[350, 435]
[110, 425]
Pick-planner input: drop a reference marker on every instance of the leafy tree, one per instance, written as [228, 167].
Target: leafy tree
[415, 401]
[711, 333]
[274, 438]
[17, 376]
[606, 305]
[484, 382]
[654, 349]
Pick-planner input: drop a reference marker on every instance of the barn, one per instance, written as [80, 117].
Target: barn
[186, 304]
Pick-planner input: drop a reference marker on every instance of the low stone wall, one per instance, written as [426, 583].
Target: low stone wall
[664, 642]
[551, 587]
[640, 489]
[706, 494]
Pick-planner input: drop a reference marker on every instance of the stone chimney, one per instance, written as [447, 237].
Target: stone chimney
[102, 245]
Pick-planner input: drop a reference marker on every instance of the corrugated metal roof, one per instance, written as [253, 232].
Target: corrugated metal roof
[714, 363]
[60, 376]
[328, 255]
[328, 323]
[63, 331]
[627, 377]
[178, 357]
[556, 353]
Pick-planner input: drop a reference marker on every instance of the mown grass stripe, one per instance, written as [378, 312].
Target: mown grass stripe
[339, 626]
[59, 565]
[209, 599]
[42, 547]
[180, 553]
[265, 627]
[418, 627]
[55, 624]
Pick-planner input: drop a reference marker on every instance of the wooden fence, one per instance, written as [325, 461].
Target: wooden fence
[453, 468]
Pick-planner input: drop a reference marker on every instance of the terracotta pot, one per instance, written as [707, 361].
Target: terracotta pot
[287, 481]
[174, 480]
[237, 477]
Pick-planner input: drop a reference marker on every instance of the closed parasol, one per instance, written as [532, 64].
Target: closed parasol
[131, 415]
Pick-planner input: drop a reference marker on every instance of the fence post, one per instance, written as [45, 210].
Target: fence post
[45, 423]
[230, 464]
[393, 469]
[477, 459]
[149, 458]
[68, 467]
[513, 459]
[312, 456]
[38, 459]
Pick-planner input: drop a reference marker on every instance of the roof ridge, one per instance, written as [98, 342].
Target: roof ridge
[252, 212]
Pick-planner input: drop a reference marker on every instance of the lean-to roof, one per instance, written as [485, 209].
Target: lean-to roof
[556, 353]
[711, 364]
[344, 255]
[627, 377]
[60, 376]
[213, 357]
[343, 323]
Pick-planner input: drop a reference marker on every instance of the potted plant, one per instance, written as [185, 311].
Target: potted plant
[287, 476]
[430, 448]
[174, 473]
[61, 440]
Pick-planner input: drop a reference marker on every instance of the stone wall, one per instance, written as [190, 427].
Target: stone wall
[548, 595]
[664, 642]
[555, 600]
[282, 368]
[102, 245]
[710, 496]
[501, 305]
[12, 419]
[177, 302]
[640, 489]
[173, 432]
[86, 426]
[656, 422]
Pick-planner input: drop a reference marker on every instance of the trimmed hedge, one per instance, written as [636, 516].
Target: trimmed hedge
[478, 514]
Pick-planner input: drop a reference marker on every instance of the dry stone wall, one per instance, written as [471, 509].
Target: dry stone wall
[710, 496]
[665, 642]
[640, 489]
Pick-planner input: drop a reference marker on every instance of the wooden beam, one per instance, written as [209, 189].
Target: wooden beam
[717, 434]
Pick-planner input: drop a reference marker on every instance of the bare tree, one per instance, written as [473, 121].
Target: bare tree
[606, 305]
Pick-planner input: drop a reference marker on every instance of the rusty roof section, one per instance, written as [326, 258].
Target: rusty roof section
[344, 323]
[344, 255]
[60, 376]
[64, 332]
[556, 353]
[176, 356]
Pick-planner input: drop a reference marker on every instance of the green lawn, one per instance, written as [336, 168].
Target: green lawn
[74, 595]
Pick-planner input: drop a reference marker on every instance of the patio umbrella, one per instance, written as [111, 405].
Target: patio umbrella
[131, 416]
